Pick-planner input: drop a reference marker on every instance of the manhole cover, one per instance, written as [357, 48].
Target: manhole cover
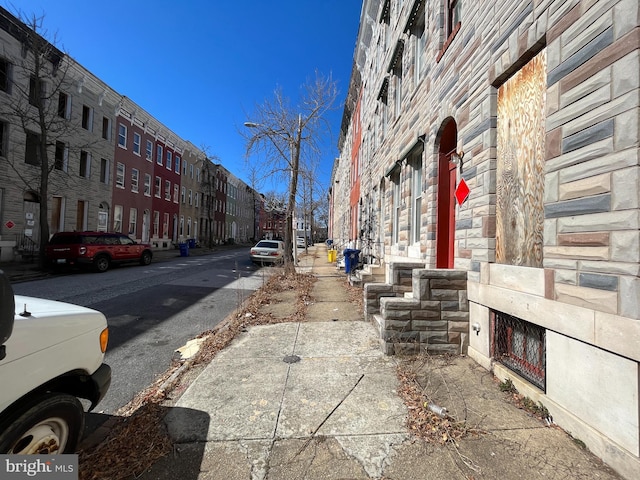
[291, 359]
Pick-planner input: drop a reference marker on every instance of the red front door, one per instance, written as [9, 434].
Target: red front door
[446, 223]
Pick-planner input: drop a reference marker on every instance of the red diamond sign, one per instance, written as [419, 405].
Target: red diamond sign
[462, 192]
[9, 224]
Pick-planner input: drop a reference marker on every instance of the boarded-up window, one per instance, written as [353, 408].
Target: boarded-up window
[520, 167]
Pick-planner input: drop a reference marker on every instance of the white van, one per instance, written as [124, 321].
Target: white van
[51, 355]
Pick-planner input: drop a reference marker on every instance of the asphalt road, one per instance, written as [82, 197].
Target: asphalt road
[153, 310]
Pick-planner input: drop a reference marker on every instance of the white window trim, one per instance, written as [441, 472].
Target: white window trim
[122, 126]
[137, 150]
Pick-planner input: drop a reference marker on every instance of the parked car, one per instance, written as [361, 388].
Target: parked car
[267, 251]
[97, 249]
[51, 354]
[300, 243]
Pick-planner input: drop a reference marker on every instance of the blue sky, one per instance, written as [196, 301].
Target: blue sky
[201, 66]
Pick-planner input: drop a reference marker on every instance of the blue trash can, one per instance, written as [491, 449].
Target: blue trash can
[351, 259]
[184, 249]
[192, 243]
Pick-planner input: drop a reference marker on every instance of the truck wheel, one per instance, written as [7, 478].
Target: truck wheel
[101, 263]
[52, 423]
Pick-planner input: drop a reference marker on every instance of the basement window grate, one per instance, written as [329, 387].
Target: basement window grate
[520, 346]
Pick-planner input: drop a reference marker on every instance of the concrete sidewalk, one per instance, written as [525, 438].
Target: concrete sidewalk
[318, 400]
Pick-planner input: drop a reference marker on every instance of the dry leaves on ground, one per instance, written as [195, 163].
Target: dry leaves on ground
[138, 438]
[421, 421]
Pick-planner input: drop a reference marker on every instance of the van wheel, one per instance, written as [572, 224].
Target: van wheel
[101, 263]
[50, 424]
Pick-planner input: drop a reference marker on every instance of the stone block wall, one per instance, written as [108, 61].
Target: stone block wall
[434, 318]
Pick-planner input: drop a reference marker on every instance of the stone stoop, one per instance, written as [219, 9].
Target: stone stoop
[370, 273]
[432, 316]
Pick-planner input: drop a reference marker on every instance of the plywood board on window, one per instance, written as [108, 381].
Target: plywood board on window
[520, 165]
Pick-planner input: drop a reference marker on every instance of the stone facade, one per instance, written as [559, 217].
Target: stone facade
[424, 310]
[440, 88]
[103, 177]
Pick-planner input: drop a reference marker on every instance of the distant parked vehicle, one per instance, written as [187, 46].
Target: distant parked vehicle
[97, 249]
[300, 243]
[267, 251]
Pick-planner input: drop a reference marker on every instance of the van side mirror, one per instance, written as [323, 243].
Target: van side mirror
[7, 312]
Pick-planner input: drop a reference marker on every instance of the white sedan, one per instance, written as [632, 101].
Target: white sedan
[267, 251]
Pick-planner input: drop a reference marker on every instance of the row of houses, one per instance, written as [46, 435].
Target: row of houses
[111, 165]
[489, 171]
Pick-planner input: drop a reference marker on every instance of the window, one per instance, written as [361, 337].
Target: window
[396, 208]
[64, 105]
[136, 143]
[198, 174]
[87, 118]
[190, 197]
[191, 170]
[117, 218]
[104, 170]
[168, 160]
[122, 135]
[176, 192]
[177, 164]
[106, 128]
[36, 91]
[60, 162]
[188, 227]
[454, 10]
[149, 151]
[85, 164]
[120, 175]
[183, 197]
[158, 187]
[159, 154]
[420, 45]
[147, 184]
[156, 223]
[416, 195]
[197, 199]
[32, 149]
[520, 346]
[5, 68]
[167, 190]
[184, 168]
[135, 176]
[165, 226]
[397, 92]
[4, 132]
[181, 232]
[133, 219]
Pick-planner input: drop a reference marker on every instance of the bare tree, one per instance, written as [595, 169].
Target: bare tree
[40, 73]
[288, 136]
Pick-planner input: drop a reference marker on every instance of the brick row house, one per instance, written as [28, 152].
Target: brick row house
[111, 165]
[489, 166]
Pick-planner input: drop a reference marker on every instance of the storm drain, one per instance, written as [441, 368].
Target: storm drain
[291, 359]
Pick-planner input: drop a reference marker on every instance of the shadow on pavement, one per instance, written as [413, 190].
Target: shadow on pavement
[140, 445]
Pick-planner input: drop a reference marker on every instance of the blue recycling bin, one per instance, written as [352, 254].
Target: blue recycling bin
[192, 243]
[184, 249]
[351, 259]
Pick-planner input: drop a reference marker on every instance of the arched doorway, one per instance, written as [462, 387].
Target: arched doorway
[446, 207]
